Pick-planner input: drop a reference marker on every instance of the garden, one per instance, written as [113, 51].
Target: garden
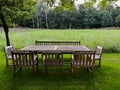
[105, 78]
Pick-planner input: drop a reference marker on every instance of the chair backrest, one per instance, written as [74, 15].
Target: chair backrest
[53, 58]
[98, 51]
[8, 50]
[83, 58]
[21, 58]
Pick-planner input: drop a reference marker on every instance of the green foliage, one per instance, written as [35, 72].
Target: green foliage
[12, 9]
[65, 17]
[106, 19]
[67, 4]
[89, 19]
[81, 18]
[117, 20]
[50, 3]
[63, 4]
[52, 20]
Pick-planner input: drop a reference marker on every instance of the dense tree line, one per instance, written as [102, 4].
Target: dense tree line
[79, 18]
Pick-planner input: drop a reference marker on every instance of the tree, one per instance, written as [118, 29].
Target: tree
[106, 19]
[10, 9]
[117, 20]
[115, 12]
[67, 4]
[89, 19]
[41, 10]
[53, 20]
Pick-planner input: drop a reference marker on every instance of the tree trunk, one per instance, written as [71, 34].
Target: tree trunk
[6, 30]
[46, 20]
[33, 22]
[70, 25]
[38, 21]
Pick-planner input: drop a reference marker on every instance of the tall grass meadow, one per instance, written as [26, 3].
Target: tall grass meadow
[108, 39]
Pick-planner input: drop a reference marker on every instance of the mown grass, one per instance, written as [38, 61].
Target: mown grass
[106, 77]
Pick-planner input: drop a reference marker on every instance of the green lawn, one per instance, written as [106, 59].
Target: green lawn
[107, 77]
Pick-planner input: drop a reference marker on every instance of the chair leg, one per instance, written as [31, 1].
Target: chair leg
[14, 71]
[99, 63]
[46, 69]
[33, 69]
[37, 67]
[6, 62]
[92, 71]
[72, 69]
[62, 69]
[20, 68]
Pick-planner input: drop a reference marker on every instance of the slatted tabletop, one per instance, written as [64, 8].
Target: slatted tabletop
[64, 49]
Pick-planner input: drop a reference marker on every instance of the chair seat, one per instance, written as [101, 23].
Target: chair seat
[9, 57]
[97, 56]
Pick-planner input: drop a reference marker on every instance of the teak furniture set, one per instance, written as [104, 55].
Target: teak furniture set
[52, 55]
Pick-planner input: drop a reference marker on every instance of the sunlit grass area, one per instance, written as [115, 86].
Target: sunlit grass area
[107, 77]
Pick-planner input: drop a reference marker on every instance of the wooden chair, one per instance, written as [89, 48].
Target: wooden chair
[52, 59]
[7, 51]
[24, 59]
[98, 54]
[83, 59]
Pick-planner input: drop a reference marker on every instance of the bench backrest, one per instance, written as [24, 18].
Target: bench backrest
[72, 43]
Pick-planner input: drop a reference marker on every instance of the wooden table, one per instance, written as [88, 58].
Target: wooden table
[64, 49]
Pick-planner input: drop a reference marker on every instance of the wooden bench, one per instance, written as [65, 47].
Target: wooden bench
[72, 43]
